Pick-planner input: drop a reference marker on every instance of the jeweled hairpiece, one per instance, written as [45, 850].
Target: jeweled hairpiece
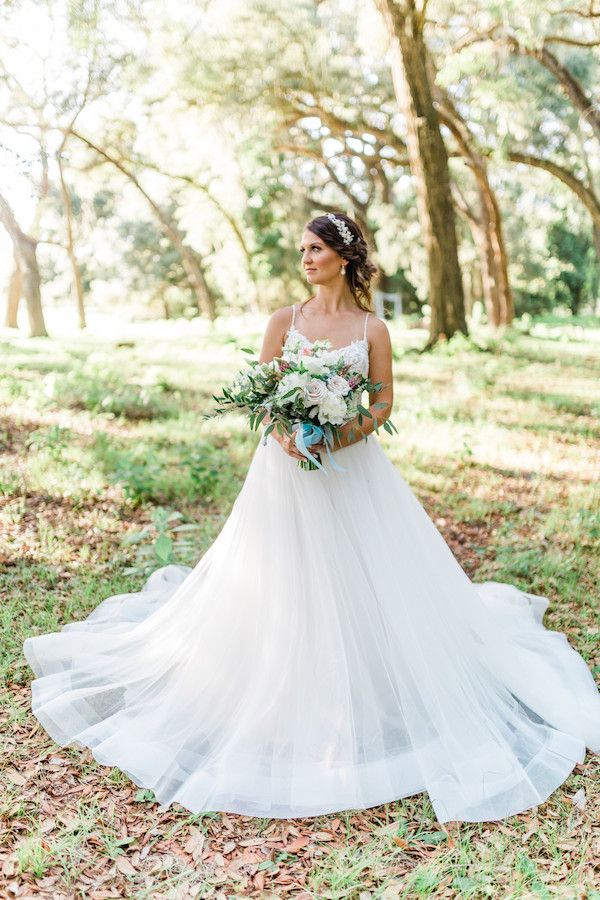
[345, 233]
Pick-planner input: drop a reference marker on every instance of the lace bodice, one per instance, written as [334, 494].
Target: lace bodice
[356, 354]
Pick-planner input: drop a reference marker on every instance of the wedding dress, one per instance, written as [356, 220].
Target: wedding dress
[327, 652]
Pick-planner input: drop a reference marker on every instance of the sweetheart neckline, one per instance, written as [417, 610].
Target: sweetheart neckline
[333, 349]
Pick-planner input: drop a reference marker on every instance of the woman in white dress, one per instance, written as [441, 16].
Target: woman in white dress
[327, 652]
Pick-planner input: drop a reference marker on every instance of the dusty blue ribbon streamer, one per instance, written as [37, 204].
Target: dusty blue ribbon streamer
[308, 434]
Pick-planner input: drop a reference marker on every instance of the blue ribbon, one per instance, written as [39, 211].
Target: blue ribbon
[308, 434]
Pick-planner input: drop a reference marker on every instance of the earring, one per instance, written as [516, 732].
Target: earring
[343, 270]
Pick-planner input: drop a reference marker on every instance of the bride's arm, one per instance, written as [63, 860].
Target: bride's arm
[380, 369]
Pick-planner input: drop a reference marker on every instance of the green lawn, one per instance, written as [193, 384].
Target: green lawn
[102, 443]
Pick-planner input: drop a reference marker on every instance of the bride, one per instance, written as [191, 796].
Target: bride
[327, 652]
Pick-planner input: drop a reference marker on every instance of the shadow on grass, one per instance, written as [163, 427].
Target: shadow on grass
[558, 402]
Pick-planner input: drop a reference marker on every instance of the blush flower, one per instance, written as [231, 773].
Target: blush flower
[315, 392]
[338, 385]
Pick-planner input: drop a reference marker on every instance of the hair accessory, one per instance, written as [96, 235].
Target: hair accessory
[345, 233]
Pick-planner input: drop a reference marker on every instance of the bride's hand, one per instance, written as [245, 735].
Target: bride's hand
[288, 444]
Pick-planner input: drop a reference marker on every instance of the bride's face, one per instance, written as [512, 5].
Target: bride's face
[321, 263]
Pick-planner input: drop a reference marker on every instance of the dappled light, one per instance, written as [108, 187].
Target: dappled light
[204, 620]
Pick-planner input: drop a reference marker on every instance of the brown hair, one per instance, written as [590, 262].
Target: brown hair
[359, 268]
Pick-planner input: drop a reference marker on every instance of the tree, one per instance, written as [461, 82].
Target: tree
[25, 248]
[559, 43]
[405, 22]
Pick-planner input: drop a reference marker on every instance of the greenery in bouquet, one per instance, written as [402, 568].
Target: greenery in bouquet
[308, 393]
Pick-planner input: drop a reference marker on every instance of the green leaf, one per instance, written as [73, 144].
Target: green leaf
[163, 548]
[364, 411]
[247, 350]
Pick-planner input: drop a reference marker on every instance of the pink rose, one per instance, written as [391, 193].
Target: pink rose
[315, 392]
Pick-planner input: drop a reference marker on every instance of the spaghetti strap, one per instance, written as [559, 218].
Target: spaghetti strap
[365, 332]
[293, 315]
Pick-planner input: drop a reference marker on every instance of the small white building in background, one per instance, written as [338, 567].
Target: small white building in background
[393, 299]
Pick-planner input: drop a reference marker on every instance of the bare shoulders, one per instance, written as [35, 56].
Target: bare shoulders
[281, 317]
[280, 321]
[377, 327]
[378, 334]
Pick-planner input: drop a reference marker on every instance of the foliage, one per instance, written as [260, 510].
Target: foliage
[98, 388]
[166, 540]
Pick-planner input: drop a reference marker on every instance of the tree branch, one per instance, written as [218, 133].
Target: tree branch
[587, 196]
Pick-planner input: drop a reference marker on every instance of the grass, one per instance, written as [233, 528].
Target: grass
[498, 439]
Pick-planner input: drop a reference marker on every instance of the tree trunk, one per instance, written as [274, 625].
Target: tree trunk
[488, 228]
[31, 288]
[77, 282]
[26, 250]
[15, 289]
[193, 269]
[494, 263]
[429, 166]
[596, 236]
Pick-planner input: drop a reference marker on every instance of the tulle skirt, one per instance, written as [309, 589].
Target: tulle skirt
[327, 653]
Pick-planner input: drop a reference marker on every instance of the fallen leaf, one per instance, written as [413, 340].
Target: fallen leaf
[297, 844]
[125, 867]
[195, 842]
[15, 777]
[10, 866]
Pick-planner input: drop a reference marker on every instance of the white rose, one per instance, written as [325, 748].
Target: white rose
[314, 392]
[354, 356]
[332, 409]
[292, 381]
[314, 365]
[338, 385]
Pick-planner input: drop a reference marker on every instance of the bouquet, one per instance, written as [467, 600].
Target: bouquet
[309, 393]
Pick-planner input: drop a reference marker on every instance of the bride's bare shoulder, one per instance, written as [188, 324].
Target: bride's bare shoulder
[280, 320]
[275, 333]
[282, 313]
[377, 329]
